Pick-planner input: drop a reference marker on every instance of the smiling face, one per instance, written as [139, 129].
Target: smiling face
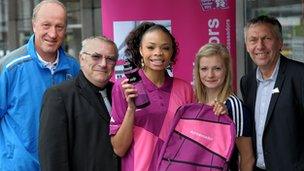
[212, 73]
[263, 45]
[156, 50]
[49, 28]
[95, 61]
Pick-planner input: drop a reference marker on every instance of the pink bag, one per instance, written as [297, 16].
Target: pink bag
[198, 140]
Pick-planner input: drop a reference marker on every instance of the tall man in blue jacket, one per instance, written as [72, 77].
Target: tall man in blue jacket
[25, 74]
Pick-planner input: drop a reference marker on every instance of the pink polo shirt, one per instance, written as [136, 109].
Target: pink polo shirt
[151, 123]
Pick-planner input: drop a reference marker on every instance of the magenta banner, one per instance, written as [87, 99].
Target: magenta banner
[192, 22]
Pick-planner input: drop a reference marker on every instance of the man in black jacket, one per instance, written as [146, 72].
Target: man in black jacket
[75, 116]
[275, 94]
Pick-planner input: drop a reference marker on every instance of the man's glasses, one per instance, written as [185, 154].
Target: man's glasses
[96, 57]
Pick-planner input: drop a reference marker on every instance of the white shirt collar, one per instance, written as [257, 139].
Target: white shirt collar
[274, 74]
[50, 65]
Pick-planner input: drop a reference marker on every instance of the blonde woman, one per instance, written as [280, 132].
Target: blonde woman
[212, 79]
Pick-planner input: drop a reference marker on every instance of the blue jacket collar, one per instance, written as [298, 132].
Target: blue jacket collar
[63, 62]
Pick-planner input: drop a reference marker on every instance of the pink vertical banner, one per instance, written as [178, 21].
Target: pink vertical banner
[192, 22]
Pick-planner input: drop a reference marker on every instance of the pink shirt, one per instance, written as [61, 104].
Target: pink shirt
[151, 123]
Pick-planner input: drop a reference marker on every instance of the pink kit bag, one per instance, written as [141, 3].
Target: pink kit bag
[198, 140]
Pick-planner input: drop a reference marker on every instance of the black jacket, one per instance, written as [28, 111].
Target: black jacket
[283, 137]
[74, 129]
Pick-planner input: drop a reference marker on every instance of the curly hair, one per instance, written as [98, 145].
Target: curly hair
[134, 38]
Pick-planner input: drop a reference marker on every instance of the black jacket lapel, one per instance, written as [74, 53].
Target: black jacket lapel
[278, 84]
[253, 88]
[86, 91]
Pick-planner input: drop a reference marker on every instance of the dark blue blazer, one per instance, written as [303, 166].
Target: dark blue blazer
[283, 137]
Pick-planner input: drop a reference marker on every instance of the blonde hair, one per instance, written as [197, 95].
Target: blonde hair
[211, 49]
[39, 5]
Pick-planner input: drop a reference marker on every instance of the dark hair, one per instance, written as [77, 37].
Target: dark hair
[264, 19]
[134, 38]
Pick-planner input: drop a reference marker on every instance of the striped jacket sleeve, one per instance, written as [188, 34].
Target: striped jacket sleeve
[240, 115]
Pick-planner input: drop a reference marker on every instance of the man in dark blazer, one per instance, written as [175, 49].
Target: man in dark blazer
[275, 94]
[74, 124]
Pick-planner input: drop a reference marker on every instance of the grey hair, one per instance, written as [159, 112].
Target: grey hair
[85, 43]
[39, 5]
[264, 19]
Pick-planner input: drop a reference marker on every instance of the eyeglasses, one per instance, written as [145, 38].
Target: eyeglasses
[96, 57]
